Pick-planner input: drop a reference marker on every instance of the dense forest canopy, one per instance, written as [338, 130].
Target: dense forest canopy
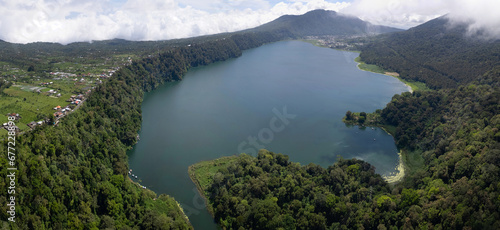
[74, 175]
[440, 53]
[269, 192]
[450, 139]
[454, 132]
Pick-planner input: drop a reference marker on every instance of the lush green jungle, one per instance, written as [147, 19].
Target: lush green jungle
[439, 53]
[449, 138]
[74, 175]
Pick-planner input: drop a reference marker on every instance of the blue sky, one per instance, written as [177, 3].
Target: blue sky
[65, 21]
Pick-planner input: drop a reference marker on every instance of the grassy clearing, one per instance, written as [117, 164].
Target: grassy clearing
[3, 133]
[30, 105]
[389, 129]
[376, 69]
[202, 174]
[413, 161]
[368, 67]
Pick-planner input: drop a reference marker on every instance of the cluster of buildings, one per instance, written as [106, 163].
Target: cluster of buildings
[33, 124]
[15, 115]
[76, 99]
[337, 42]
[60, 111]
[53, 93]
[62, 74]
[46, 83]
[6, 125]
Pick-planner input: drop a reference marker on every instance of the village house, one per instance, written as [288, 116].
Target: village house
[32, 125]
[15, 115]
[58, 114]
[6, 126]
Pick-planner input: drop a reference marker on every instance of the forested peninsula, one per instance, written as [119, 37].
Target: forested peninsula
[450, 142]
[74, 176]
[449, 138]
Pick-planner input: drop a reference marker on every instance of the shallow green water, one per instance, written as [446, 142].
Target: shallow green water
[288, 97]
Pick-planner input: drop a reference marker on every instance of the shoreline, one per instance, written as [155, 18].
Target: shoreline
[400, 168]
[154, 199]
[411, 87]
[192, 176]
[195, 178]
[391, 74]
[399, 172]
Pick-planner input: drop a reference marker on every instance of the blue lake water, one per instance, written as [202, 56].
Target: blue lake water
[288, 97]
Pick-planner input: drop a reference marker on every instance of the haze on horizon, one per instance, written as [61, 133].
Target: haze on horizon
[66, 21]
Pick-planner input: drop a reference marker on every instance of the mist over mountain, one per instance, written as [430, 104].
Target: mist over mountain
[313, 23]
[324, 22]
[442, 53]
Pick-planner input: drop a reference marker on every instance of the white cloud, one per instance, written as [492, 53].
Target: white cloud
[482, 15]
[398, 13]
[65, 21]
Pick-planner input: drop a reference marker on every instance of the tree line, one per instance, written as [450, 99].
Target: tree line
[437, 53]
[74, 175]
[456, 133]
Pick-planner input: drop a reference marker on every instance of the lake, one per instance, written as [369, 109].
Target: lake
[288, 97]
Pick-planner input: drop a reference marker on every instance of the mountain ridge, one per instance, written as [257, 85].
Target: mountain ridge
[331, 23]
[440, 53]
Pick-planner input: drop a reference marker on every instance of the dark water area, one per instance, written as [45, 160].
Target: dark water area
[288, 97]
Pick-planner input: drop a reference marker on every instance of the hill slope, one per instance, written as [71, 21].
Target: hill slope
[74, 176]
[438, 53]
[323, 22]
[453, 132]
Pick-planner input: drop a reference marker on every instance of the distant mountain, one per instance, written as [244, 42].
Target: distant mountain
[313, 23]
[440, 53]
[323, 22]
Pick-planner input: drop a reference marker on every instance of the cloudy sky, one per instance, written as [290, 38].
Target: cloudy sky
[65, 21]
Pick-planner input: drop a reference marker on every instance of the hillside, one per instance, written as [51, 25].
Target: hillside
[439, 53]
[323, 22]
[450, 139]
[74, 175]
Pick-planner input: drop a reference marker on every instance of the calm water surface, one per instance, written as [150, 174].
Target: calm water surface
[288, 97]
